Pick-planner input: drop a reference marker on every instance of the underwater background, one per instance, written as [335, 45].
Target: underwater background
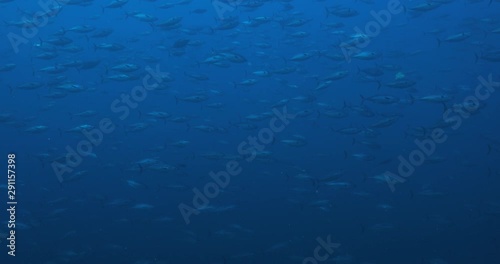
[278, 131]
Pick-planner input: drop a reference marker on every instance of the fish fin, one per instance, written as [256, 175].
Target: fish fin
[412, 99]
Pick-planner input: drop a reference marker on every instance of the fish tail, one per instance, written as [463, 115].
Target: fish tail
[412, 99]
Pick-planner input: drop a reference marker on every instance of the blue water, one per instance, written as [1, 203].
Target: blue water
[250, 131]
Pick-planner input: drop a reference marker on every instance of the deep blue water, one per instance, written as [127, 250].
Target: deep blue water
[370, 127]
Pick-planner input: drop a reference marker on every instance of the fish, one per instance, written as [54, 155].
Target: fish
[81, 29]
[143, 206]
[366, 55]
[7, 67]
[296, 141]
[142, 17]
[342, 12]
[303, 56]
[109, 46]
[401, 84]
[192, 98]
[116, 4]
[53, 69]
[125, 67]
[336, 76]
[439, 98]
[456, 38]
[425, 7]
[381, 99]
[30, 85]
[86, 113]
[36, 129]
[122, 77]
